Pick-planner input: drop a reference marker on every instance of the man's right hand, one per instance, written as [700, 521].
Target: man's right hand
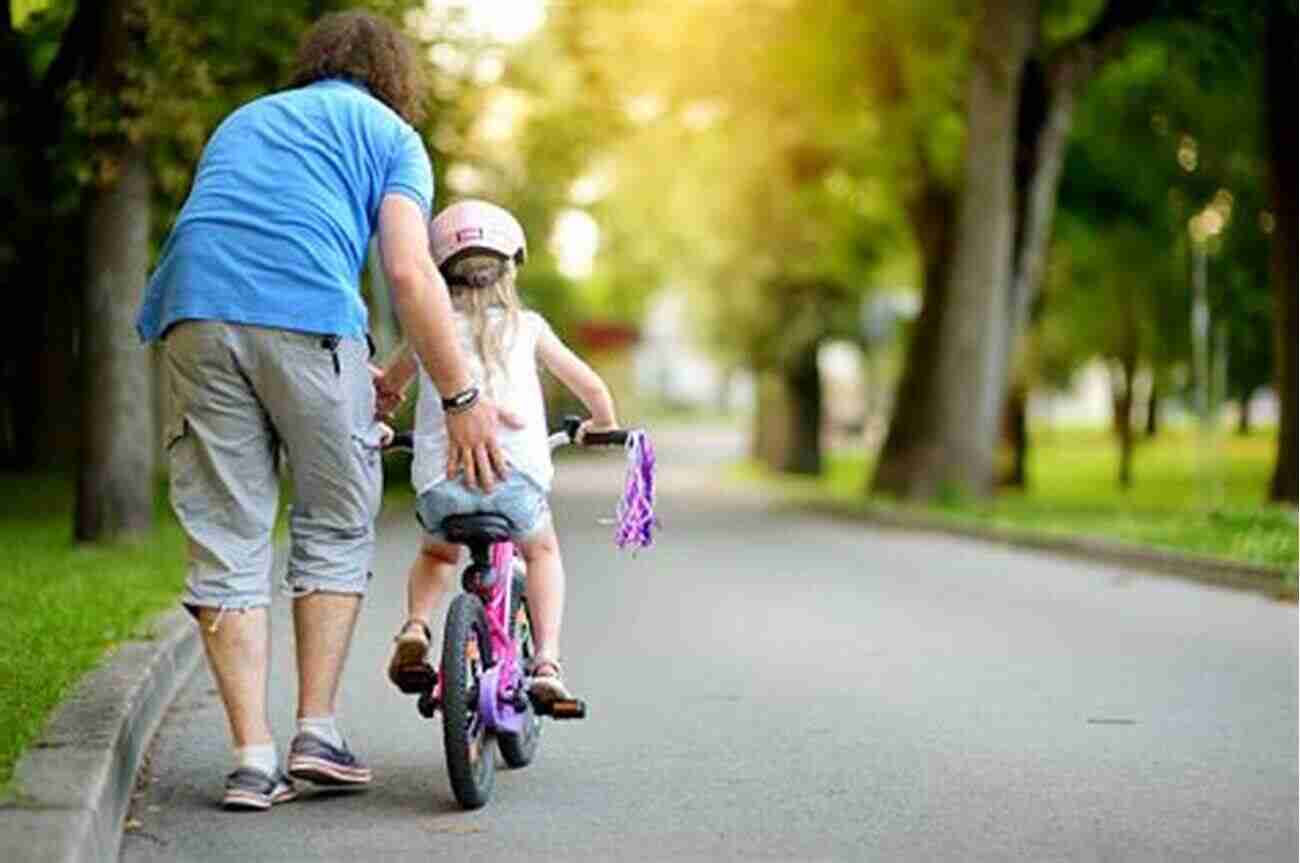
[472, 444]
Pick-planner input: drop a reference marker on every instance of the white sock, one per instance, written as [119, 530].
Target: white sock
[322, 727]
[260, 757]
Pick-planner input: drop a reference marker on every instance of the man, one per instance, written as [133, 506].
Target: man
[255, 298]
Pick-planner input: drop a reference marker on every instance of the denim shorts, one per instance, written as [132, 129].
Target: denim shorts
[518, 498]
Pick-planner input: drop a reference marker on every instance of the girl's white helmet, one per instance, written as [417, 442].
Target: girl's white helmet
[476, 226]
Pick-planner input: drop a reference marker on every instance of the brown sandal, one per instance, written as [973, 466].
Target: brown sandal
[547, 683]
[409, 668]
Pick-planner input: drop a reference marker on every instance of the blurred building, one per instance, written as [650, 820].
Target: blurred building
[673, 369]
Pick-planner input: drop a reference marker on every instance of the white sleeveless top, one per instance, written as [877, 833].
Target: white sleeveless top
[519, 391]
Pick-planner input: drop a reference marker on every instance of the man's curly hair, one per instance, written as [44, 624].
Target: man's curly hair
[368, 49]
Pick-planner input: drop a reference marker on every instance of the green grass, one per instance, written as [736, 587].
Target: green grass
[1173, 504]
[63, 605]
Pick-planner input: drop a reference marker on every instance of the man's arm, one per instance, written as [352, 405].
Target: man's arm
[424, 309]
[419, 293]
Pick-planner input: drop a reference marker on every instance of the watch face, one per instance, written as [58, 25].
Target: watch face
[461, 399]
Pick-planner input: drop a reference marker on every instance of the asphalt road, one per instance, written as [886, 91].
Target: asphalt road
[771, 686]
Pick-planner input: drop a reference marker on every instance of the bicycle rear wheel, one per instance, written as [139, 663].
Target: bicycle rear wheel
[466, 654]
[518, 750]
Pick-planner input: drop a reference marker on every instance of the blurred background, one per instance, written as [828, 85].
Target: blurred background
[1021, 260]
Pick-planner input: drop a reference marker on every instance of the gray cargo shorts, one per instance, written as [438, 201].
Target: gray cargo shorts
[239, 394]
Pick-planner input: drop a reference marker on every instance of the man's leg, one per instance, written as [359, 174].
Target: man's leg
[238, 648]
[323, 624]
[320, 395]
[224, 492]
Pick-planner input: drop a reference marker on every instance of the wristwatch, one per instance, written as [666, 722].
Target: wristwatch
[461, 401]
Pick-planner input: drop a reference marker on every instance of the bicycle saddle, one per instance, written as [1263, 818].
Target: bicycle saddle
[487, 527]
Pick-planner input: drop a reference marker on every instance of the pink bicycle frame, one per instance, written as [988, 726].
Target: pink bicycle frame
[500, 686]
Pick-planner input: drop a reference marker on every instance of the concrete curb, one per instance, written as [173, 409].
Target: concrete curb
[74, 784]
[1205, 570]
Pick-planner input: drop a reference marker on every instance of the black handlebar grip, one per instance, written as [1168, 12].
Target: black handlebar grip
[618, 437]
[608, 438]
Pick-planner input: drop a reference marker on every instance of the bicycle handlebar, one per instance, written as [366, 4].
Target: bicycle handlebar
[566, 436]
[617, 437]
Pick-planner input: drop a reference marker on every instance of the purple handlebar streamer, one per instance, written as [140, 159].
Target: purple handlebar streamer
[636, 510]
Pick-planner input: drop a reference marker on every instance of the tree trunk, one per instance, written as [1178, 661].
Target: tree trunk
[787, 428]
[903, 454]
[1014, 458]
[1122, 418]
[771, 420]
[1047, 114]
[1153, 407]
[803, 384]
[1243, 415]
[972, 356]
[1048, 94]
[1280, 51]
[35, 132]
[115, 473]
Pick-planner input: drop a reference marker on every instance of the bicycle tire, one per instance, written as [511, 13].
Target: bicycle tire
[466, 654]
[518, 750]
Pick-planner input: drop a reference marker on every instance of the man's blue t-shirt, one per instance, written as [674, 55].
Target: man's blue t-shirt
[284, 203]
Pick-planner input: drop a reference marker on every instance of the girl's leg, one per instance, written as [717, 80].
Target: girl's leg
[427, 578]
[541, 552]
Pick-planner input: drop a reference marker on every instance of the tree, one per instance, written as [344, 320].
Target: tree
[1023, 89]
[41, 55]
[1163, 161]
[1280, 51]
[968, 389]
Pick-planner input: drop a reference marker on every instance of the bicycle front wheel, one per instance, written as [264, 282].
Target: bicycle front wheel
[466, 654]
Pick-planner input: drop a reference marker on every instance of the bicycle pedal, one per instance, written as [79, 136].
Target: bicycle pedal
[568, 708]
[416, 679]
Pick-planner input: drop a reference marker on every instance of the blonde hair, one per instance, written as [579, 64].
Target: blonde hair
[481, 285]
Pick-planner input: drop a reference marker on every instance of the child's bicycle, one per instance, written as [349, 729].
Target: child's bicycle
[481, 688]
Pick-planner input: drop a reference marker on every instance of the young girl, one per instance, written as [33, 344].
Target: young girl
[477, 247]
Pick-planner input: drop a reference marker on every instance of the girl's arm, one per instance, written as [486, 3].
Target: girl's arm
[392, 380]
[400, 368]
[580, 379]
